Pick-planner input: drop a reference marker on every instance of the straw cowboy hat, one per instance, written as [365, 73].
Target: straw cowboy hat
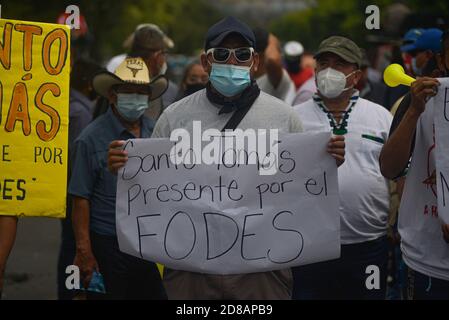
[131, 71]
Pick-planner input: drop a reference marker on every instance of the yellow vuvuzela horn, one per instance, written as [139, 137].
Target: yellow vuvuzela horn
[394, 75]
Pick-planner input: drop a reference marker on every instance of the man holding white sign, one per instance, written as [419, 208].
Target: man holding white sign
[227, 218]
[423, 215]
[231, 99]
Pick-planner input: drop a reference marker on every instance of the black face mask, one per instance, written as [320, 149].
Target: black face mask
[192, 88]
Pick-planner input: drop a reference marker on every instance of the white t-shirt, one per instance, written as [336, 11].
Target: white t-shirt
[305, 92]
[267, 112]
[364, 195]
[285, 91]
[422, 243]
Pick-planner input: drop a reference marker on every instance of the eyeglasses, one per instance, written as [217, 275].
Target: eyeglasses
[223, 54]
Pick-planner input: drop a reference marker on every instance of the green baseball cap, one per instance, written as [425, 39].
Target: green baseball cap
[342, 47]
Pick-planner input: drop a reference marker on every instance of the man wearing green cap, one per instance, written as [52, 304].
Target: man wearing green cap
[360, 272]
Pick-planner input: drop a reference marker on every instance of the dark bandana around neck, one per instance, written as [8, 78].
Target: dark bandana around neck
[246, 98]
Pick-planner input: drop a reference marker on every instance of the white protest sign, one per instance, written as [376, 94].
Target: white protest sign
[228, 218]
[441, 107]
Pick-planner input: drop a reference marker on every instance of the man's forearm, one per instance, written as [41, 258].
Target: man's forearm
[274, 72]
[80, 219]
[273, 61]
[396, 151]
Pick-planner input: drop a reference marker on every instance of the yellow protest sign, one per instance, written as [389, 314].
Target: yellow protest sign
[34, 116]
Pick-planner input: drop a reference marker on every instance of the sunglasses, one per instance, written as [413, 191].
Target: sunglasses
[223, 54]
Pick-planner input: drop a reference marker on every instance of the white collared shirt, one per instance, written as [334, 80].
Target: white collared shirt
[364, 194]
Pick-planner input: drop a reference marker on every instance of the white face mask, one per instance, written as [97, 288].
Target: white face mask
[331, 83]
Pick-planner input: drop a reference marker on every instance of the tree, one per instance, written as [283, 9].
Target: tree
[111, 22]
[324, 18]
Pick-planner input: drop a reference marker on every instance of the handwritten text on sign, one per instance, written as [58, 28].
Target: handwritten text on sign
[34, 97]
[227, 218]
[441, 101]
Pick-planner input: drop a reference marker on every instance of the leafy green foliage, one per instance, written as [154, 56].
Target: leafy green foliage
[111, 22]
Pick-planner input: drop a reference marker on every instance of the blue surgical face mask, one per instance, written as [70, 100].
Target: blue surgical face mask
[229, 79]
[417, 71]
[131, 106]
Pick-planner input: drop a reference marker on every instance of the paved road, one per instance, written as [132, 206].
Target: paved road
[31, 269]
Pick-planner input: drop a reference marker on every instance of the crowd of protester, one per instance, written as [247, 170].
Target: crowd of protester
[377, 142]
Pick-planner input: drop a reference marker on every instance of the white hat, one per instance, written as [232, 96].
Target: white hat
[293, 49]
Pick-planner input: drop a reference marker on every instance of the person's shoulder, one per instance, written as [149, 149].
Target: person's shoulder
[268, 101]
[262, 79]
[148, 122]
[373, 114]
[170, 94]
[172, 86]
[78, 109]
[304, 106]
[269, 104]
[308, 86]
[95, 128]
[276, 109]
[78, 103]
[371, 108]
[191, 101]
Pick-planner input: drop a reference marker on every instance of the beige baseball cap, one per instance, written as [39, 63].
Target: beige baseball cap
[149, 36]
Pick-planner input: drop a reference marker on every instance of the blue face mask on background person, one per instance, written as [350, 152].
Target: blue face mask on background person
[417, 71]
[132, 106]
[229, 79]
